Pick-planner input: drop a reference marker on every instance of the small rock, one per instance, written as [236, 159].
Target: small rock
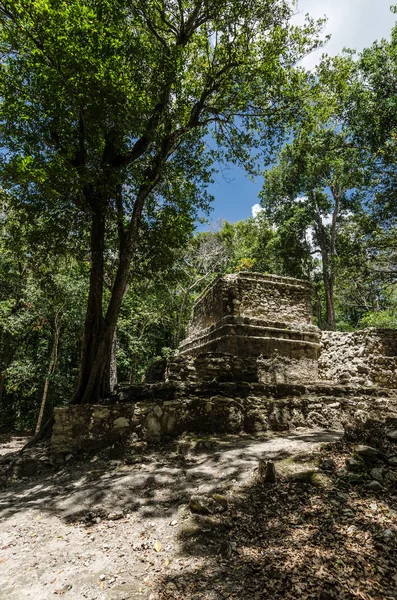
[342, 497]
[375, 486]
[392, 460]
[115, 515]
[354, 465]
[327, 464]
[25, 467]
[173, 523]
[392, 435]
[341, 473]
[266, 472]
[388, 534]
[225, 549]
[102, 577]
[367, 453]
[351, 529]
[377, 474]
[208, 504]
[63, 589]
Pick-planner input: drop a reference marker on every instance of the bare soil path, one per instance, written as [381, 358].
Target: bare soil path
[104, 529]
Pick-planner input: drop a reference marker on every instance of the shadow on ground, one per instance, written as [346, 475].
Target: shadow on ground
[331, 541]
[286, 541]
[155, 479]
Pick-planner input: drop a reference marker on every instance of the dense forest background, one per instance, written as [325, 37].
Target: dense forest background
[74, 159]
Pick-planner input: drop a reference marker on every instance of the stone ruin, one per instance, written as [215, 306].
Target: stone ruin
[250, 327]
[252, 361]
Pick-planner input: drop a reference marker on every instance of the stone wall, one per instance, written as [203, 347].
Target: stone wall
[269, 297]
[221, 367]
[249, 315]
[367, 357]
[160, 412]
[244, 336]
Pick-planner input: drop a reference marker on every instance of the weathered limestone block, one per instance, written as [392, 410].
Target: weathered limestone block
[250, 327]
[252, 295]
[88, 427]
[254, 306]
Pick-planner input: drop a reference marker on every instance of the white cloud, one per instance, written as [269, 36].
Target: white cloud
[256, 209]
[352, 24]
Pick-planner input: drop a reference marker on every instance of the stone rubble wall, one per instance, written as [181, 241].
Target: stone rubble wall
[156, 413]
[367, 357]
[221, 367]
[269, 297]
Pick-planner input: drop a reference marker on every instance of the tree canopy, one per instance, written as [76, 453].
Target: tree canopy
[106, 106]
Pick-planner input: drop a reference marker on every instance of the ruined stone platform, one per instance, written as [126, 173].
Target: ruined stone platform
[249, 363]
[262, 321]
[159, 412]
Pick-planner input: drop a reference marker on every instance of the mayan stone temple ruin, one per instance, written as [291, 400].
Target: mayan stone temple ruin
[252, 361]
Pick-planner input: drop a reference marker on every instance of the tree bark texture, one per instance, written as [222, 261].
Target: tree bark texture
[328, 276]
[94, 321]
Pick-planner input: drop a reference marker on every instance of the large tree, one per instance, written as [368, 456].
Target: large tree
[370, 111]
[315, 184]
[107, 106]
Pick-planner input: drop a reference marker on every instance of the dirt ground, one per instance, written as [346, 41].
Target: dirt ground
[102, 528]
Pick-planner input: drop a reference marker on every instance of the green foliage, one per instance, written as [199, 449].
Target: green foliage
[37, 289]
[370, 111]
[105, 109]
[249, 245]
[146, 327]
[383, 319]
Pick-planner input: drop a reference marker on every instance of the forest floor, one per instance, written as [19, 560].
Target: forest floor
[106, 528]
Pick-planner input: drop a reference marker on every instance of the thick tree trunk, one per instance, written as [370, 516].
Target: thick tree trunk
[94, 321]
[99, 333]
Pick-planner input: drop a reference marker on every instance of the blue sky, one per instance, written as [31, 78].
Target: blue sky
[351, 23]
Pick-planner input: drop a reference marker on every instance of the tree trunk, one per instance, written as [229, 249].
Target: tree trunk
[318, 308]
[51, 370]
[94, 321]
[99, 332]
[329, 300]
[5, 360]
[113, 379]
[2, 385]
[94, 377]
[328, 277]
